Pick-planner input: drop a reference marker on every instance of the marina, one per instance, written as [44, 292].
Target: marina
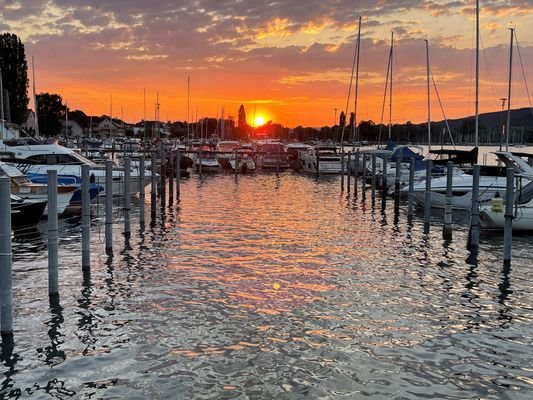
[269, 285]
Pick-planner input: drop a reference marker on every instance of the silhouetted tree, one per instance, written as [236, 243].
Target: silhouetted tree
[14, 76]
[50, 110]
[342, 119]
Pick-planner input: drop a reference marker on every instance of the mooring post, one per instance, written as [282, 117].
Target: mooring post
[141, 189]
[53, 264]
[85, 219]
[363, 178]
[236, 166]
[397, 177]
[163, 176]
[153, 186]
[348, 172]
[277, 158]
[427, 200]
[356, 173]
[178, 172]
[373, 177]
[342, 170]
[473, 242]
[317, 161]
[199, 159]
[109, 207]
[447, 229]
[171, 179]
[6, 260]
[411, 193]
[384, 183]
[508, 225]
[127, 196]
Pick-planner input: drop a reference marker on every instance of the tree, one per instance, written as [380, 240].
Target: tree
[14, 76]
[51, 111]
[342, 119]
[242, 118]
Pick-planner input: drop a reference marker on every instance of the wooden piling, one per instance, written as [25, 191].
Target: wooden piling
[373, 177]
[363, 179]
[127, 196]
[427, 200]
[178, 173]
[348, 172]
[411, 194]
[53, 239]
[6, 259]
[356, 173]
[384, 177]
[342, 170]
[142, 177]
[153, 186]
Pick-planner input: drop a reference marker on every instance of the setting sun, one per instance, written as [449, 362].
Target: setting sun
[259, 120]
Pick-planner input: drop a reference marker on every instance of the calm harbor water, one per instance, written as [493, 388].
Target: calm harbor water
[271, 286]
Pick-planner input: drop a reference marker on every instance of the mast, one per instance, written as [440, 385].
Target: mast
[356, 136]
[66, 119]
[188, 106]
[508, 127]
[429, 94]
[390, 90]
[110, 115]
[476, 133]
[34, 98]
[144, 115]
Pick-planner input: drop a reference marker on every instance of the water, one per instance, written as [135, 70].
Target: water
[368, 306]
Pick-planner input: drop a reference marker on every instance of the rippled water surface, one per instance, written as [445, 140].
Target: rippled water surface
[271, 286]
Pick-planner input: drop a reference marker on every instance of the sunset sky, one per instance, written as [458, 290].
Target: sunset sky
[289, 59]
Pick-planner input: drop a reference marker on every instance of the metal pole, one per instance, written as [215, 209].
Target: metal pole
[6, 262]
[363, 179]
[85, 219]
[109, 207]
[53, 264]
[356, 173]
[342, 170]
[508, 226]
[447, 229]
[427, 202]
[153, 187]
[127, 196]
[142, 162]
[473, 243]
[373, 178]
[348, 171]
[411, 194]
[178, 173]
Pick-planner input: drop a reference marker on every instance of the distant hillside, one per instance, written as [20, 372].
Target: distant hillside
[522, 117]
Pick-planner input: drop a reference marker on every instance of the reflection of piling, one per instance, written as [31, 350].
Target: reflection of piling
[109, 207]
[508, 225]
[141, 189]
[6, 263]
[85, 219]
[127, 197]
[53, 240]
[473, 237]
[411, 193]
[447, 229]
[427, 200]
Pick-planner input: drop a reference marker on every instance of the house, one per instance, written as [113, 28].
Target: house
[29, 121]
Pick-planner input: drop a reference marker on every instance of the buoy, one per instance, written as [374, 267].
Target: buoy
[276, 286]
[496, 204]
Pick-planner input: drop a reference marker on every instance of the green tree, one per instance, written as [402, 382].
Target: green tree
[14, 75]
[51, 111]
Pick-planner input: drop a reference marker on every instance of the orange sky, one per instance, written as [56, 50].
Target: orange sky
[289, 60]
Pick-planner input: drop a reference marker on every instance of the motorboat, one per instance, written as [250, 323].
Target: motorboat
[271, 155]
[324, 158]
[242, 159]
[26, 212]
[206, 159]
[224, 151]
[294, 151]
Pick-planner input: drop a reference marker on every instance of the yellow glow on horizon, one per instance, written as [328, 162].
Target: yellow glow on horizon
[259, 120]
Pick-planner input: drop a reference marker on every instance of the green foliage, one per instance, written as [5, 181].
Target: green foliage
[14, 75]
[51, 111]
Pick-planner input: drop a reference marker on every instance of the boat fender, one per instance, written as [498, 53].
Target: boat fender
[497, 204]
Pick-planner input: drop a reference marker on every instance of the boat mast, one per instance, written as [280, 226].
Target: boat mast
[144, 115]
[429, 94]
[355, 131]
[476, 132]
[2, 105]
[188, 106]
[508, 127]
[390, 90]
[34, 98]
